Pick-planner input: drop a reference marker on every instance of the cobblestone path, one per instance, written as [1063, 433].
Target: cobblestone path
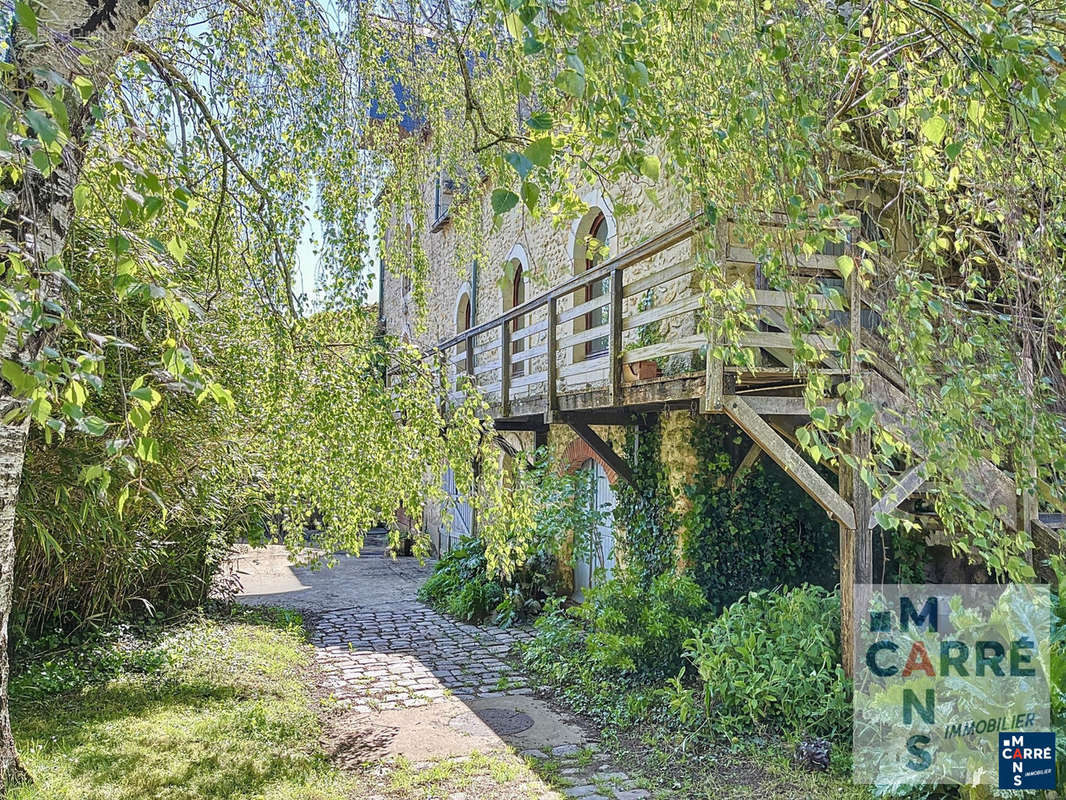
[426, 690]
[410, 656]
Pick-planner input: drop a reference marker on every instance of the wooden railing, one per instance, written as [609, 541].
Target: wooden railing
[539, 348]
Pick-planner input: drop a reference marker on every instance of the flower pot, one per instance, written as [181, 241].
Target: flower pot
[641, 371]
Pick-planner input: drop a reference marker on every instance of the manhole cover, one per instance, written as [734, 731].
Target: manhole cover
[502, 721]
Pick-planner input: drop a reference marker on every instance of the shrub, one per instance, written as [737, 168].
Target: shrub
[772, 659]
[640, 631]
[623, 635]
[475, 601]
[466, 562]
[460, 585]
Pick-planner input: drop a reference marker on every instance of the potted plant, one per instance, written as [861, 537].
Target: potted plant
[648, 334]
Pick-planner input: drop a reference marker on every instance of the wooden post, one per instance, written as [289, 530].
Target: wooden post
[442, 379]
[470, 356]
[1028, 508]
[714, 377]
[615, 366]
[505, 369]
[552, 398]
[856, 543]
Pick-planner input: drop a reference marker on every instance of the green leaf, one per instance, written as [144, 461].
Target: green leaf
[570, 82]
[540, 121]
[503, 200]
[934, 129]
[846, 265]
[637, 73]
[177, 248]
[140, 417]
[147, 449]
[26, 17]
[94, 426]
[520, 163]
[146, 394]
[42, 161]
[649, 166]
[46, 129]
[81, 197]
[20, 381]
[85, 87]
[40, 409]
[118, 244]
[530, 194]
[540, 151]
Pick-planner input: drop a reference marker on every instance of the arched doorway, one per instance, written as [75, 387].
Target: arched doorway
[595, 563]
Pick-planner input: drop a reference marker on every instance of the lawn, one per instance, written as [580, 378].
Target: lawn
[221, 708]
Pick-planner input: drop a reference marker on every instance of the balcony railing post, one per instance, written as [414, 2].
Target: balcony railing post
[553, 366]
[615, 341]
[470, 357]
[505, 369]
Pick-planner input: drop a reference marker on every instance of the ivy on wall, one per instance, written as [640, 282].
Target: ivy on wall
[755, 533]
[644, 515]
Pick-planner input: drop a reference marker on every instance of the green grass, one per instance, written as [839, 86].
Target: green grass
[226, 711]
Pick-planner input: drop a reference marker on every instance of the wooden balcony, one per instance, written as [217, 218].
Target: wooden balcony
[579, 350]
[575, 355]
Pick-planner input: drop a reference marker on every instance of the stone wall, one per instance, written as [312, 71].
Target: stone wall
[549, 254]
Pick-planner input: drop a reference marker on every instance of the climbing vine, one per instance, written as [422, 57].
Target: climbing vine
[644, 514]
[752, 531]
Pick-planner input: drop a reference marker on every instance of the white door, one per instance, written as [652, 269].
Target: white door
[462, 517]
[596, 563]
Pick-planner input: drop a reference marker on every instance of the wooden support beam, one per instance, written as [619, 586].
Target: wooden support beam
[788, 459]
[614, 372]
[599, 416]
[779, 406]
[604, 451]
[856, 546]
[746, 463]
[528, 423]
[907, 484]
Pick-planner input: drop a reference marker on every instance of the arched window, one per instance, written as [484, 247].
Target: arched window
[518, 296]
[592, 241]
[462, 323]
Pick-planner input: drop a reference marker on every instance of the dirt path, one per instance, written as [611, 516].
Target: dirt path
[422, 705]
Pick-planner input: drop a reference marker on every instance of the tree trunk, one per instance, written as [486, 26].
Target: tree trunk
[12, 451]
[35, 226]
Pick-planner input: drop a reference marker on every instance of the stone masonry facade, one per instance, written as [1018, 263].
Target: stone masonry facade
[548, 255]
